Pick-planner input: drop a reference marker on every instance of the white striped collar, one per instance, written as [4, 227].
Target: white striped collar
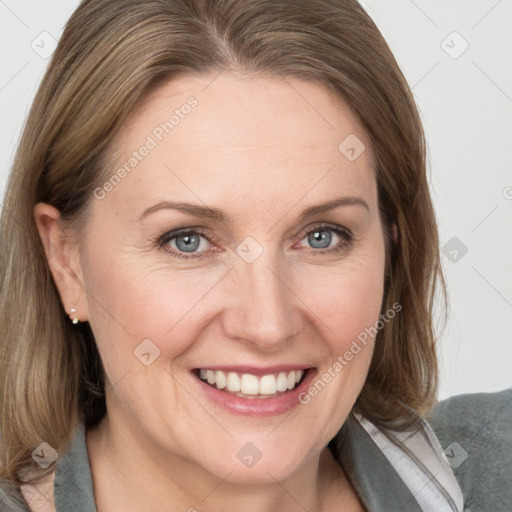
[393, 470]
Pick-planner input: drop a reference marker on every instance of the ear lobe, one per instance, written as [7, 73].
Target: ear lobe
[62, 257]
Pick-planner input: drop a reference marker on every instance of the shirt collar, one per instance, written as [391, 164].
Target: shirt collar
[377, 483]
[73, 480]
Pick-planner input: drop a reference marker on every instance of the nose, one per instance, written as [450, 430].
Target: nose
[263, 310]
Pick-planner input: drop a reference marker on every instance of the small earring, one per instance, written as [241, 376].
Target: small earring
[74, 319]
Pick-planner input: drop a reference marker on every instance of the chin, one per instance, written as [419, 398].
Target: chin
[258, 462]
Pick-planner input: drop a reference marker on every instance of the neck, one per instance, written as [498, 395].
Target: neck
[130, 474]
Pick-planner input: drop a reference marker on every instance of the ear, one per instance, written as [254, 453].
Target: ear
[63, 260]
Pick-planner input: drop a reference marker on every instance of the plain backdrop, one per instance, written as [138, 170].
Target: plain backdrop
[456, 56]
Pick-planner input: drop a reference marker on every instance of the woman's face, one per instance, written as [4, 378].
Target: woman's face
[257, 290]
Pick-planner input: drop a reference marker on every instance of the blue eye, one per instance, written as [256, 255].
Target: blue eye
[188, 243]
[321, 237]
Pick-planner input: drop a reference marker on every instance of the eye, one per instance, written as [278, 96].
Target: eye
[321, 237]
[193, 242]
[186, 243]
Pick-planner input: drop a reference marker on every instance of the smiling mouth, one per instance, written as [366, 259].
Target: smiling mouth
[246, 385]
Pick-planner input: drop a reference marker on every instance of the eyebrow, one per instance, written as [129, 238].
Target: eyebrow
[218, 215]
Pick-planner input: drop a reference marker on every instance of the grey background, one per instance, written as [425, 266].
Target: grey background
[456, 55]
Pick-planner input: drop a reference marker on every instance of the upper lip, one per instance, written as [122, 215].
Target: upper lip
[254, 370]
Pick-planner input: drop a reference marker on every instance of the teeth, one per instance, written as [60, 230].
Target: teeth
[220, 379]
[251, 384]
[233, 382]
[291, 380]
[267, 385]
[282, 381]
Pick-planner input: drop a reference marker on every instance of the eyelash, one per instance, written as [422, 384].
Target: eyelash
[162, 241]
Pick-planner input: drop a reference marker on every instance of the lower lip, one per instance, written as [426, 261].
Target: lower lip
[259, 407]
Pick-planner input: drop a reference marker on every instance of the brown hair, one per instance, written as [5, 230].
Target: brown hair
[111, 52]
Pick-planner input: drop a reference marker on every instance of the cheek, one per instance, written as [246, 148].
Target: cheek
[347, 300]
[130, 303]
[348, 305]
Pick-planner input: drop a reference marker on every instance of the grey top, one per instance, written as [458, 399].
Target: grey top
[476, 433]
[479, 424]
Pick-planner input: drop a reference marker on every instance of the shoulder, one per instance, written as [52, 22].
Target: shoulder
[482, 420]
[475, 431]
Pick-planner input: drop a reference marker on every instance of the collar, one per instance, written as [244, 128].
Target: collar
[389, 470]
[393, 470]
[73, 480]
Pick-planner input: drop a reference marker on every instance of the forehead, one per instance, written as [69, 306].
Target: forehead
[229, 136]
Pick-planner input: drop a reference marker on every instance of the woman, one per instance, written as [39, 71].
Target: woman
[219, 231]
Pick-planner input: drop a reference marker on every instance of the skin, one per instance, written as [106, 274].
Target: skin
[164, 445]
